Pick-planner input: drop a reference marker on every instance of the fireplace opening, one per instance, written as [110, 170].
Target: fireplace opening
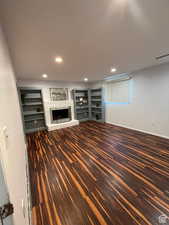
[60, 115]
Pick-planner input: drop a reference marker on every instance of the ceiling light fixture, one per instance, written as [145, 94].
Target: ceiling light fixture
[44, 75]
[113, 70]
[58, 60]
[86, 79]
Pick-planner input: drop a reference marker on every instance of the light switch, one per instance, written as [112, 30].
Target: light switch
[23, 208]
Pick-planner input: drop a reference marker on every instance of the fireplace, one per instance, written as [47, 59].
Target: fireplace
[60, 115]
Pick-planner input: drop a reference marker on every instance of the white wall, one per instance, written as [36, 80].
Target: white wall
[13, 147]
[149, 107]
[45, 85]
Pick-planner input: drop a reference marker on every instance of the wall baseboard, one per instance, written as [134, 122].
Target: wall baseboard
[143, 131]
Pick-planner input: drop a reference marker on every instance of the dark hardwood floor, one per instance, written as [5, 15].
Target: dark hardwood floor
[98, 174]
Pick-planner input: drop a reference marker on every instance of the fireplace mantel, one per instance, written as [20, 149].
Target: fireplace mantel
[48, 105]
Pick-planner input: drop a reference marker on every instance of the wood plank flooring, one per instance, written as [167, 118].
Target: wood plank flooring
[98, 174]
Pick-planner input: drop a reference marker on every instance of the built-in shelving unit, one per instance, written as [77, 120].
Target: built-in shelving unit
[81, 103]
[89, 104]
[32, 109]
[97, 104]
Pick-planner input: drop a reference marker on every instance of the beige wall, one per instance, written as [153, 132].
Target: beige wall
[149, 107]
[12, 147]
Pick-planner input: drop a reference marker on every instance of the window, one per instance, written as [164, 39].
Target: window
[118, 92]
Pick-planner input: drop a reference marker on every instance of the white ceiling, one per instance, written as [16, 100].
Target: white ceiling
[90, 35]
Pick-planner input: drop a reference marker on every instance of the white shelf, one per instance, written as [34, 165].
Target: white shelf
[34, 129]
[29, 113]
[32, 104]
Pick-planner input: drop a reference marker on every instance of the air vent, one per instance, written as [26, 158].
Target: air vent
[118, 77]
[163, 58]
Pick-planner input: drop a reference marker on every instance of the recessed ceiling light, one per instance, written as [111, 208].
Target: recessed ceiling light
[44, 75]
[113, 70]
[86, 79]
[58, 59]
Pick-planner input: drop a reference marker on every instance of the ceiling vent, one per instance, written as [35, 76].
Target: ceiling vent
[118, 77]
[163, 58]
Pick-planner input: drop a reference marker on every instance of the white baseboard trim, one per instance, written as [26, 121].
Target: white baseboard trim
[143, 131]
